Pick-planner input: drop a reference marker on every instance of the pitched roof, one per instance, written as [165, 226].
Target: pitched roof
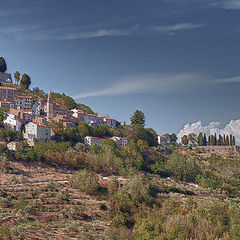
[8, 88]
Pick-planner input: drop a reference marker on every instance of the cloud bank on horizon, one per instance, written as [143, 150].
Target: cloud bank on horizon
[233, 127]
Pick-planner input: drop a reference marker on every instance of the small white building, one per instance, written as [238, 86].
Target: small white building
[24, 102]
[12, 122]
[89, 140]
[163, 140]
[37, 132]
[120, 141]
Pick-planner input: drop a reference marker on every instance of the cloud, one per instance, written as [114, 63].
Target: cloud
[235, 79]
[144, 83]
[33, 32]
[4, 13]
[231, 4]
[177, 27]
[233, 127]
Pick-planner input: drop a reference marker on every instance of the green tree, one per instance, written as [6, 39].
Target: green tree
[3, 65]
[231, 140]
[184, 140]
[138, 118]
[227, 140]
[215, 139]
[17, 77]
[209, 140]
[204, 140]
[234, 141]
[200, 139]
[192, 138]
[25, 81]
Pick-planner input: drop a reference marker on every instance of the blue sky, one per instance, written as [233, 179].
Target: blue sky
[176, 60]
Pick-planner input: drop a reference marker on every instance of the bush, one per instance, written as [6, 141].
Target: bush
[85, 181]
[4, 164]
[183, 168]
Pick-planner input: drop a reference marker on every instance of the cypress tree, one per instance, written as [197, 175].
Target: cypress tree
[212, 140]
[234, 142]
[231, 140]
[224, 140]
[209, 140]
[204, 140]
[200, 139]
[215, 139]
[227, 140]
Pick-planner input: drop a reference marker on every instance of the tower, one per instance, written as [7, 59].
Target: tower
[50, 110]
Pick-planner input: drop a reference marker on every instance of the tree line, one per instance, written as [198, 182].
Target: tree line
[211, 140]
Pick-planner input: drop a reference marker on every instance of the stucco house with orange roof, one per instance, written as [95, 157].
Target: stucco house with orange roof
[36, 132]
[88, 140]
[8, 93]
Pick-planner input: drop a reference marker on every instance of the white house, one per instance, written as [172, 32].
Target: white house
[24, 102]
[120, 141]
[89, 140]
[37, 132]
[12, 122]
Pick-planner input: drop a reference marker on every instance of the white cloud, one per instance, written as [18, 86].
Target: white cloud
[233, 127]
[235, 79]
[144, 83]
[231, 4]
[177, 27]
[33, 32]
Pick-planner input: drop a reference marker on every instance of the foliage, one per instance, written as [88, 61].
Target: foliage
[17, 77]
[85, 108]
[3, 65]
[138, 118]
[85, 181]
[64, 100]
[193, 220]
[183, 168]
[25, 81]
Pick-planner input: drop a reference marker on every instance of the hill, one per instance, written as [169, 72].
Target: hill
[199, 200]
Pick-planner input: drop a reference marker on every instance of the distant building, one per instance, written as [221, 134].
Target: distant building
[163, 140]
[12, 122]
[120, 141]
[89, 140]
[7, 104]
[66, 121]
[8, 94]
[93, 120]
[16, 118]
[5, 77]
[24, 102]
[36, 132]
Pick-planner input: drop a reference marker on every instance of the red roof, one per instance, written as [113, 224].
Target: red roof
[8, 88]
[24, 97]
[6, 102]
[40, 125]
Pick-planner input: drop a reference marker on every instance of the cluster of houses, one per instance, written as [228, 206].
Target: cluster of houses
[32, 118]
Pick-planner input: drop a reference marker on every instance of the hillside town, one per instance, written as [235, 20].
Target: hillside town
[33, 118]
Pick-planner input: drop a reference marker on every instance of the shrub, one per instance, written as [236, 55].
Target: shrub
[85, 181]
[183, 168]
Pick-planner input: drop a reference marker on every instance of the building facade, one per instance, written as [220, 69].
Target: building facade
[37, 132]
[88, 140]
